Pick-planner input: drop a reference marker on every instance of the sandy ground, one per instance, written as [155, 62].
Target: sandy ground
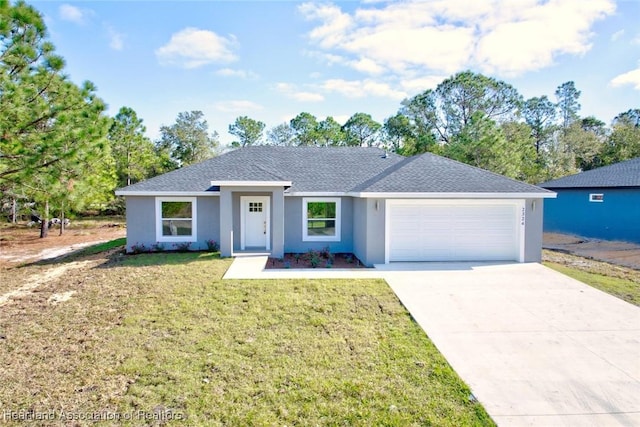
[21, 244]
[619, 253]
[43, 278]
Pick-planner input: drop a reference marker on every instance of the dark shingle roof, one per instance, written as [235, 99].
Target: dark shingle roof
[428, 173]
[328, 169]
[623, 174]
[334, 169]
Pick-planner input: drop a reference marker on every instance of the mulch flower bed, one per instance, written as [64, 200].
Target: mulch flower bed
[315, 259]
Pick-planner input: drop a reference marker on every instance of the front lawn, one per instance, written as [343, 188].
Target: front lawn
[156, 334]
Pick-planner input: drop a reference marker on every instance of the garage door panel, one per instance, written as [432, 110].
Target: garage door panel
[453, 232]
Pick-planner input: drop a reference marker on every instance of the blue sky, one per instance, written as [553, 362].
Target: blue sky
[271, 60]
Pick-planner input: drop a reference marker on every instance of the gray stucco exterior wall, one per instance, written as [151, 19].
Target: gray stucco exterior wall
[141, 221]
[376, 209]
[208, 221]
[534, 209]
[362, 226]
[369, 231]
[293, 241]
[226, 223]
[360, 229]
[277, 223]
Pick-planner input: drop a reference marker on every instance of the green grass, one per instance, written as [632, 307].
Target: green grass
[162, 332]
[625, 289]
[103, 247]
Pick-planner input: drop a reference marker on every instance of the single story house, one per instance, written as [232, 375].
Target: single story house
[602, 203]
[380, 206]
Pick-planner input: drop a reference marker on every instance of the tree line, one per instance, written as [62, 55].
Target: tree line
[61, 153]
[477, 120]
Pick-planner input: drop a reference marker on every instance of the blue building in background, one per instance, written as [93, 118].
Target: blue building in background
[602, 203]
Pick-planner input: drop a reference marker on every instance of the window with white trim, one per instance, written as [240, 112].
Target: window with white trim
[596, 197]
[321, 219]
[176, 219]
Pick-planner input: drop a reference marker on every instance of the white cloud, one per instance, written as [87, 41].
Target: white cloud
[629, 78]
[116, 39]
[530, 38]
[291, 91]
[368, 66]
[616, 36]
[444, 36]
[237, 106]
[307, 96]
[327, 58]
[335, 23]
[362, 88]
[420, 84]
[193, 48]
[243, 74]
[74, 14]
[284, 87]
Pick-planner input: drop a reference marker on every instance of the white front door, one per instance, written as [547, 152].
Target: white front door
[255, 229]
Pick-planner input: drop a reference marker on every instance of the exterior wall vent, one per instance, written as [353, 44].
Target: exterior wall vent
[596, 197]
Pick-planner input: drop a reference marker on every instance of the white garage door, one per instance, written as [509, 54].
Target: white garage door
[421, 230]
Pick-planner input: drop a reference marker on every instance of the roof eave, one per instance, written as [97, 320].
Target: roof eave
[455, 195]
[316, 194]
[166, 193]
[233, 183]
[587, 187]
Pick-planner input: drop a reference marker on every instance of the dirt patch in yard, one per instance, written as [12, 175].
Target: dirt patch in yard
[620, 253]
[20, 244]
[591, 265]
[37, 280]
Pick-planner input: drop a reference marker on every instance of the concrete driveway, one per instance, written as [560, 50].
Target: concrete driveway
[536, 347]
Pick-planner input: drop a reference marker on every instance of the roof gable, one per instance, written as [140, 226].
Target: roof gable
[623, 174]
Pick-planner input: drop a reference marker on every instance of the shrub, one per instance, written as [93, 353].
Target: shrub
[182, 247]
[325, 252]
[158, 247]
[314, 258]
[138, 248]
[212, 245]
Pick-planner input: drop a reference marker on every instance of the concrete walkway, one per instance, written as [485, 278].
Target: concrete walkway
[536, 347]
